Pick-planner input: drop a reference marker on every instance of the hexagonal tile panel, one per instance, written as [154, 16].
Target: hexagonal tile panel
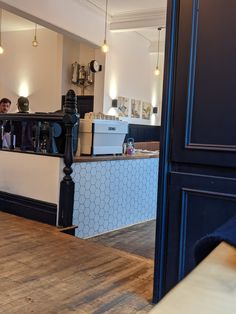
[110, 195]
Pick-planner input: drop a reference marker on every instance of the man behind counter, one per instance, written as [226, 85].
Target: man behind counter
[5, 105]
[22, 129]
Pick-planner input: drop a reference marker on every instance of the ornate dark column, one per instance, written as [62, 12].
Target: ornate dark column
[66, 202]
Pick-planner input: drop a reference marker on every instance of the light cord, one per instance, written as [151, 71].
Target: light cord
[106, 21]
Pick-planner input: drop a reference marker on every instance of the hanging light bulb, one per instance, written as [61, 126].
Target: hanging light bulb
[157, 70]
[1, 48]
[105, 46]
[35, 43]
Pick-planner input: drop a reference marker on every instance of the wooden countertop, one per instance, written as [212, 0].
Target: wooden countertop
[115, 157]
[209, 289]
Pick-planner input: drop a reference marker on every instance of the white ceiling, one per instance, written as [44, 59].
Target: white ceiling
[120, 7]
[141, 16]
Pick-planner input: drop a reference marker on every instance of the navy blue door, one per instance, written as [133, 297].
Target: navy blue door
[197, 181]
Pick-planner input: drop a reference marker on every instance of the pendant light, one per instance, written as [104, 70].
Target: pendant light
[35, 43]
[1, 48]
[157, 70]
[105, 47]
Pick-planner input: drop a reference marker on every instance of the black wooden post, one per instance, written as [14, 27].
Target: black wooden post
[66, 202]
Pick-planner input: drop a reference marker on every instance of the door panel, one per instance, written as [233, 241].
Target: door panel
[197, 174]
[205, 84]
[198, 205]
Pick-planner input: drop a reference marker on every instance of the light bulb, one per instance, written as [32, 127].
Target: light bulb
[157, 71]
[35, 42]
[1, 50]
[105, 47]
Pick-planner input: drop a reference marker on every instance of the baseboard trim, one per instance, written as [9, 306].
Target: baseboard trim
[28, 208]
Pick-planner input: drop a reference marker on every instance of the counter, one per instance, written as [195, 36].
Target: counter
[116, 157]
[113, 192]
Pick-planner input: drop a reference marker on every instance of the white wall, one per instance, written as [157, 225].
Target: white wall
[130, 71]
[38, 69]
[45, 70]
[99, 82]
[29, 175]
[70, 53]
[157, 87]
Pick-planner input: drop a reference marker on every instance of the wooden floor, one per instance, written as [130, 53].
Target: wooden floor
[45, 271]
[138, 239]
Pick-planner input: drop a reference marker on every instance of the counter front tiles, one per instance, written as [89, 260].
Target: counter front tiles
[112, 192]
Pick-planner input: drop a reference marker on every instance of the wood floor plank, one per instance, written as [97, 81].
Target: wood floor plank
[138, 239]
[45, 271]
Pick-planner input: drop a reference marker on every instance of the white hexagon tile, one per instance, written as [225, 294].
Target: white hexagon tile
[110, 195]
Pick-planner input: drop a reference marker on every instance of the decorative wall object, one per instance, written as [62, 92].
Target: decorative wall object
[123, 106]
[146, 110]
[83, 76]
[135, 108]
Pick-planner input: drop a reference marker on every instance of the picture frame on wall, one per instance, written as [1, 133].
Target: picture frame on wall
[123, 106]
[135, 108]
[146, 110]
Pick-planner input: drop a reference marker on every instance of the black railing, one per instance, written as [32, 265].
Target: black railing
[54, 134]
[33, 132]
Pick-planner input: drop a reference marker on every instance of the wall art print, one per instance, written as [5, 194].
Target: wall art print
[135, 108]
[123, 106]
[146, 110]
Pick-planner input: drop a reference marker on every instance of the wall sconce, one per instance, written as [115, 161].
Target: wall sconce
[1, 48]
[154, 110]
[154, 116]
[105, 47]
[113, 111]
[114, 103]
[35, 43]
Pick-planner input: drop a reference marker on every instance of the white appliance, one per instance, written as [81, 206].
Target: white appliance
[102, 137]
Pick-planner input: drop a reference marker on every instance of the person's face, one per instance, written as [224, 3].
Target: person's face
[4, 107]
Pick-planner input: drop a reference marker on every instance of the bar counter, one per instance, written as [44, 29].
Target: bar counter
[139, 155]
[113, 192]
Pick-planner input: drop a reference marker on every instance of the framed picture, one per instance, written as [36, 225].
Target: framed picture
[146, 110]
[123, 106]
[135, 108]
